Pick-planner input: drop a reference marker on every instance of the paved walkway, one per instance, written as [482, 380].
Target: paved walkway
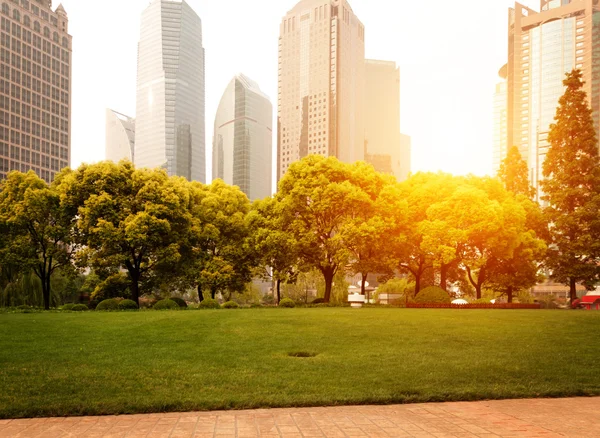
[578, 417]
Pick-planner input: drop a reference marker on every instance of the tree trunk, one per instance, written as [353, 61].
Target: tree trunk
[573, 289]
[200, 293]
[135, 290]
[46, 290]
[278, 297]
[213, 292]
[328, 275]
[444, 277]
[363, 288]
[417, 283]
[510, 294]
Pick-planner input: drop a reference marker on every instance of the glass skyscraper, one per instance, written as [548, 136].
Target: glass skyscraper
[243, 138]
[120, 136]
[170, 126]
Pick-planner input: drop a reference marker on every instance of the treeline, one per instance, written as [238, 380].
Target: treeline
[139, 231]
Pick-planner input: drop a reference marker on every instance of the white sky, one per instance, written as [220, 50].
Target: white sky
[449, 53]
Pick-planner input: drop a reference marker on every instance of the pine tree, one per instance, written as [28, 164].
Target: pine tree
[514, 175]
[571, 189]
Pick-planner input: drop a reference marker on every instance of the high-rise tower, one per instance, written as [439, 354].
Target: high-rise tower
[543, 46]
[243, 138]
[35, 88]
[321, 83]
[170, 127]
[500, 110]
[120, 136]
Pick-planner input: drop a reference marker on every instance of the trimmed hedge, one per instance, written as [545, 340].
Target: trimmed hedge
[80, 308]
[68, 306]
[128, 305]
[433, 295]
[167, 304]
[180, 302]
[287, 303]
[110, 304]
[230, 305]
[209, 304]
[474, 306]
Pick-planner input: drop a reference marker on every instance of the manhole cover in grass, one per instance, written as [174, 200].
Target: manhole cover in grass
[302, 354]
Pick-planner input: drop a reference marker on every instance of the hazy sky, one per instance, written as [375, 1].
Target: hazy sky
[449, 54]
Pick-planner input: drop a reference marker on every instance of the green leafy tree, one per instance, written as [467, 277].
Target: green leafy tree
[514, 174]
[319, 198]
[41, 237]
[136, 220]
[571, 189]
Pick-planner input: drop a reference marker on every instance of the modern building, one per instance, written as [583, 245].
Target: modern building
[321, 83]
[120, 136]
[500, 126]
[543, 46]
[170, 127]
[243, 138]
[405, 157]
[383, 142]
[35, 88]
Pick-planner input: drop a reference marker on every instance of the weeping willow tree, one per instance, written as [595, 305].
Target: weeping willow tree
[26, 289]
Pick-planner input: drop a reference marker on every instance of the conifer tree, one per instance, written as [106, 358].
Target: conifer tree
[571, 190]
[514, 175]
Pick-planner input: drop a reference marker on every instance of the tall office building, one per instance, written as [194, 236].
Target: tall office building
[405, 157]
[321, 83]
[120, 136]
[170, 129]
[384, 148]
[543, 46]
[500, 126]
[243, 138]
[35, 88]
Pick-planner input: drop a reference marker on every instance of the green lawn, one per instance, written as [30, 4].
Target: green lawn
[54, 364]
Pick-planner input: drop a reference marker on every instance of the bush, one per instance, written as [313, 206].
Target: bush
[318, 301]
[481, 301]
[287, 303]
[180, 302]
[166, 305]
[230, 305]
[209, 304]
[433, 295]
[110, 304]
[268, 300]
[68, 306]
[80, 308]
[128, 305]
[24, 307]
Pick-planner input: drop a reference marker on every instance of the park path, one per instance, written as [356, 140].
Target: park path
[577, 417]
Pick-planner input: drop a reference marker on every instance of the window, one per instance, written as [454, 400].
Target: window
[36, 26]
[46, 32]
[27, 21]
[16, 15]
[5, 9]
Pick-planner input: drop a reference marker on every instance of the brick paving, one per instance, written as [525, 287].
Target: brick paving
[577, 417]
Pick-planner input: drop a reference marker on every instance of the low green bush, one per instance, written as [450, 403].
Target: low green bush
[80, 308]
[209, 304]
[256, 306]
[107, 305]
[128, 305]
[287, 303]
[180, 302]
[433, 295]
[23, 307]
[166, 305]
[318, 301]
[68, 306]
[230, 305]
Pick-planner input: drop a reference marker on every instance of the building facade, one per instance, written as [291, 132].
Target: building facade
[321, 83]
[500, 121]
[243, 138]
[170, 107]
[405, 157]
[120, 136]
[35, 88]
[383, 143]
[543, 46]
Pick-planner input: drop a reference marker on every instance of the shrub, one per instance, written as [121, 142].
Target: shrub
[80, 308]
[269, 300]
[166, 305]
[256, 306]
[433, 295]
[230, 305]
[68, 306]
[318, 301]
[128, 305]
[110, 304]
[286, 302]
[24, 307]
[209, 303]
[180, 302]
[481, 301]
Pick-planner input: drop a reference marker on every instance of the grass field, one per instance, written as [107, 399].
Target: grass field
[55, 364]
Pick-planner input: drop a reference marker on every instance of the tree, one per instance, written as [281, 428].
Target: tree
[571, 189]
[319, 198]
[41, 238]
[514, 174]
[136, 220]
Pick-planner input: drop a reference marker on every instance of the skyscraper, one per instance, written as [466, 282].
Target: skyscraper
[321, 83]
[500, 126]
[382, 119]
[543, 46]
[243, 138]
[170, 128]
[120, 136]
[35, 88]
